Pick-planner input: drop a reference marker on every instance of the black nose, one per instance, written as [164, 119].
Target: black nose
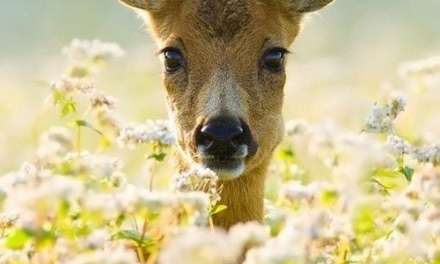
[222, 129]
[224, 137]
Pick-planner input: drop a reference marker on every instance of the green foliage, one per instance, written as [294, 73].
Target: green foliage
[140, 239]
[407, 172]
[84, 123]
[65, 103]
[217, 209]
[329, 197]
[18, 238]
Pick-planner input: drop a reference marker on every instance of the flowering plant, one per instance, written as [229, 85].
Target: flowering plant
[337, 196]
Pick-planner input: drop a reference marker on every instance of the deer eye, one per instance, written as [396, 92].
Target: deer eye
[173, 60]
[273, 59]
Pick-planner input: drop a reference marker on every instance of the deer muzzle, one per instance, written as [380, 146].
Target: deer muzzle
[224, 144]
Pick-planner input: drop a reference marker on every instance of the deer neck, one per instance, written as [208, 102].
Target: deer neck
[244, 198]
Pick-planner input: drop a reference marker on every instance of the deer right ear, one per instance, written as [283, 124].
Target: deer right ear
[148, 5]
[306, 6]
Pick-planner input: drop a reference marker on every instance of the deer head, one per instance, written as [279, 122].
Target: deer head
[224, 73]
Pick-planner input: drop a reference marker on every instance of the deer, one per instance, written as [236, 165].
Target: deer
[224, 75]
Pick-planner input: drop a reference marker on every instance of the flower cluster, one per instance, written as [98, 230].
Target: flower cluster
[425, 67]
[206, 246]
[151, 131]
[95, 50]
[382, 117]
[333, 195]
[70, 205]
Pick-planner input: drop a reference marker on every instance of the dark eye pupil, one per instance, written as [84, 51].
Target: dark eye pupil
[173, 60]
[274, 60]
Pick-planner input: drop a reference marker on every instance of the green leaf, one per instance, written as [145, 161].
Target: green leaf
[78, 72]
[84, 123]
[65, 168]
[329, 197]
[68, 107]
[407, 172]
[45, 238]
[67, 104]
[135, 236]
[218, 209]
[286, 154]
[363, 222]
[104, 143]
[58, 97]
[436, 258]
[17, 239]
[390, 179]
[157, 156]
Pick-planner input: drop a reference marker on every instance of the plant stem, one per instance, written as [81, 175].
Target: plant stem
[78, 139]
[211, 223]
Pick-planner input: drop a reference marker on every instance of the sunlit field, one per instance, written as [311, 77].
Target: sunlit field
[87, 152]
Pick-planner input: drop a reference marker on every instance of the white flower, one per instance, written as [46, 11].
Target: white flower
[296, 191]
[429, 154]
[381, 118]
[427, 183]
[97, 238]
[7, 219]
[306, 238]
[28, 174]
[198, 179]
[187, 180]
[97, 166]
[112, 255]
[13, 256]
[3, 193]
[428, 66]
[108, 118]
[95, 50]
[106, 204]
[36, 201]
[414, 238]
[294, 127]
[55, 144]
[398, 146]
[70, 85]
[199, 200]
[199, 246]
[151, 131]
[249, 235]
[205, 246]
[130, 199]
[274, 216]
[100, 100]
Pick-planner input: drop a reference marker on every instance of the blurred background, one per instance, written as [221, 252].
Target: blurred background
[346, 59]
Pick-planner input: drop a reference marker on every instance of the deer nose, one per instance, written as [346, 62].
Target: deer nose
[222, 130]
[222, 138]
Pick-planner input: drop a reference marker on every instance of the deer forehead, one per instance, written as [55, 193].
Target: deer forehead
[223, 18]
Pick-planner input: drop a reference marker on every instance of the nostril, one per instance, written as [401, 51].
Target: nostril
[238, 139]
[204, 139]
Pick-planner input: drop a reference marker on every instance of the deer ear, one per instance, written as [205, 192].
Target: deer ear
[305, 6]
[149, 5]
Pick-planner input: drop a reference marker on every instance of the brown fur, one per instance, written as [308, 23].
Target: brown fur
[223, 41]
[223, 18]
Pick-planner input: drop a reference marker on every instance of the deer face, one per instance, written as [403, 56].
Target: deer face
[223, 70]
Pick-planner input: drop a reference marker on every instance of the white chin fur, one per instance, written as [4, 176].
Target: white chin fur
[230, 174]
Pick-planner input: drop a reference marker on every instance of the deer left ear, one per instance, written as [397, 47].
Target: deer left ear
[148, 5]
[306, 6]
